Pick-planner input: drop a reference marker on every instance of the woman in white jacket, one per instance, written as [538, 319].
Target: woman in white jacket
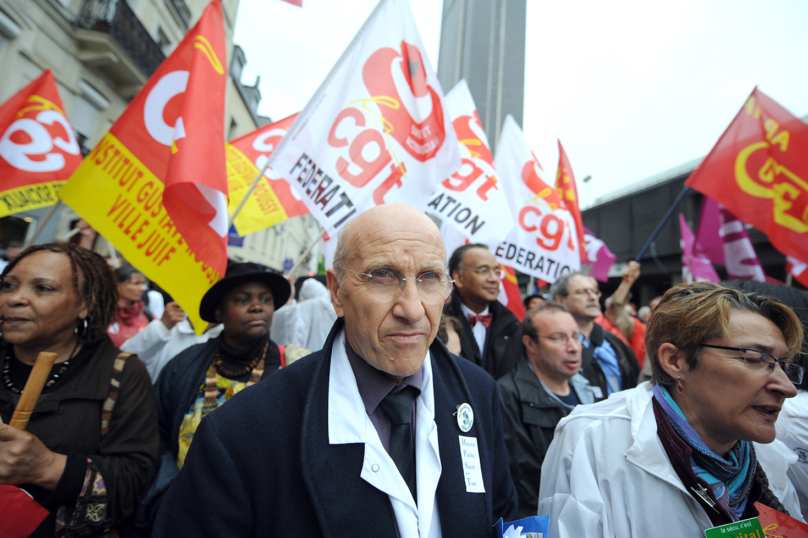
[690, 450]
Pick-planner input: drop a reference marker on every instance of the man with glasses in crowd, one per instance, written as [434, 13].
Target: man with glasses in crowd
[381, 433]
[538, 393]
[491, 338]
[607, 362]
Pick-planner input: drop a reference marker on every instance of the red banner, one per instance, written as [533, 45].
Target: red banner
[21, 513]
[778, 525]
[758, 171]
[38, 149]
[568, 192]
[175, 126]
[155, 184]
[510, 295]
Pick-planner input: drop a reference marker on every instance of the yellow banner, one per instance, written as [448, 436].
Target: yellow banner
[263, 209]
[115, 192]
[29, 197]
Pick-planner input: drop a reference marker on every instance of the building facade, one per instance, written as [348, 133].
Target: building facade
[101, 52]
[628, 217]
[483, 41]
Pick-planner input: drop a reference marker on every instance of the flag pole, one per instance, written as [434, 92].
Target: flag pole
[43, 223]
[662, 223]
[247, 195]
[306, 253]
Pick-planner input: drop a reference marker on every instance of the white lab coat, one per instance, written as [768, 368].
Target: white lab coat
[606, 474]
[155, 345]
[348, 422]
[307, 323]
[792, 429]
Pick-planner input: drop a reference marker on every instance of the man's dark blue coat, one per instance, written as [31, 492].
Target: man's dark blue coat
[261, 465]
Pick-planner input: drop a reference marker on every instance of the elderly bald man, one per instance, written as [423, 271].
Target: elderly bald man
[381, 433]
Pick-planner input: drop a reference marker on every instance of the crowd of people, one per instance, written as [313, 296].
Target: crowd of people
[331, 408]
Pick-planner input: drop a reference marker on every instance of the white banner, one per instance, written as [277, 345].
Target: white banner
[543, 243]
[376, 131]
[472, 200]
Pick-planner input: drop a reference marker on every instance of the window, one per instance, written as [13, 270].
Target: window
[163, 41]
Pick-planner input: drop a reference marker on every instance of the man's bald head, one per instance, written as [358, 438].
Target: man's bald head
[390, 326]
[390, 217]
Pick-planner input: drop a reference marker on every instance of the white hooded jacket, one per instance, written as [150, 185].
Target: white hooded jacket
[606, 474]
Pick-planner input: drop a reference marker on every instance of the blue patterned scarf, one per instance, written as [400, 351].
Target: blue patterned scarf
[730, 478]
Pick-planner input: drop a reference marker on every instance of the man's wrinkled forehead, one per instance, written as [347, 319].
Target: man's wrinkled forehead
[578, 282]
[401, 251]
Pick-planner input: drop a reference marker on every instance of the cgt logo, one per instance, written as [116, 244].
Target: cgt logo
[28, 143]
[421, 139]
[169, 86]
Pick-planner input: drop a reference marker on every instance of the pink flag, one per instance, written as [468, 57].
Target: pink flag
[798, 270]
[719, 227]
[695, 267]
[598, 257]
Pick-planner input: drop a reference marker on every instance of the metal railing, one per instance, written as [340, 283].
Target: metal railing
[182, 11]
[116, 18]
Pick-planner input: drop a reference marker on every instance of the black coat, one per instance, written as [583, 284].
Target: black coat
[503, 340]
[262, 464]
[629, 367]
[176, 390]
[529, 418]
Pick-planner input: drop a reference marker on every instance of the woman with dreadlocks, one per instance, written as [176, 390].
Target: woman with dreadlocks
[91, 447]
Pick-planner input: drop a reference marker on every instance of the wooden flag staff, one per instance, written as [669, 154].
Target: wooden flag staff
[43, 223]
[33, 388]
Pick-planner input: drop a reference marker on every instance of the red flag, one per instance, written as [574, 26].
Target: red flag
[758, 171]
[273, 199]
[21, 514]
[175, 126]
[156, 183]
[38, 149]
[777, 524]
[568, 192]
[509, 293]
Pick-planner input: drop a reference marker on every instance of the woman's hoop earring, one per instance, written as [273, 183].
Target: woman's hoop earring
[679, 388]
[81, 328]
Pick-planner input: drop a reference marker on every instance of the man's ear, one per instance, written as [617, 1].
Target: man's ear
[560, 299]
[672, 360]
[218, 314]
[457, 276]
[527, 341]
[334, 288]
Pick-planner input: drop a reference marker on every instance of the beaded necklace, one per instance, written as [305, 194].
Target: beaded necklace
[255, 369]
[12, 388]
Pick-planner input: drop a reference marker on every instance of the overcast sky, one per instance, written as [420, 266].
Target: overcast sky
[632, 88]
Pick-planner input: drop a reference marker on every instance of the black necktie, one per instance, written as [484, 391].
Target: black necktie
[398, 407]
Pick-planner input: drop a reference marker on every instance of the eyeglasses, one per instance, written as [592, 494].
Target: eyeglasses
[757, 360]
[387, 284]
[586, 291]
[485, 271]
[561, 339]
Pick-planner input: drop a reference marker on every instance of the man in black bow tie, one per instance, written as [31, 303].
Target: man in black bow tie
[491, 333]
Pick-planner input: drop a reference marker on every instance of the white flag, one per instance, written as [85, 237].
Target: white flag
[472, 200]
[543, 243]
[376, 131]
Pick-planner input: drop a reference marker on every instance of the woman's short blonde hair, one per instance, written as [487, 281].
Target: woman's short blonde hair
[691, 314]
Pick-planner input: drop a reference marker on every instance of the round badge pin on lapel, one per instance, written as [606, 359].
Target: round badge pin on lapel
[465, 417]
